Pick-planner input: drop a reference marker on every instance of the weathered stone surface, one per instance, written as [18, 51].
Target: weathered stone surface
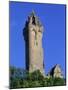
[33, 37]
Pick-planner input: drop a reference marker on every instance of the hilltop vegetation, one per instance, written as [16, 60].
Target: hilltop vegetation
[20, 78]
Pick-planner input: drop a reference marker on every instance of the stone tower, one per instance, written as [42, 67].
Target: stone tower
[33, 32]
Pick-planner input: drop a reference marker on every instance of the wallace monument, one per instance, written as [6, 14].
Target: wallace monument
[33, 33]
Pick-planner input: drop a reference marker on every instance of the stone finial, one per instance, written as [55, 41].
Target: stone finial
[33, 13]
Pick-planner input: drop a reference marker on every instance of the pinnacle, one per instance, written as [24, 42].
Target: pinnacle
[33, 13]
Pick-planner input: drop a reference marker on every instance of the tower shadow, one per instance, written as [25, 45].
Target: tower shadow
[26, 38]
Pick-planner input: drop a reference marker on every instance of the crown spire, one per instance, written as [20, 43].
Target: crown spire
[32, 13]
[34, 19]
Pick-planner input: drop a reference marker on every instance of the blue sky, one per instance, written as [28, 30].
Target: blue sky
[52, 17]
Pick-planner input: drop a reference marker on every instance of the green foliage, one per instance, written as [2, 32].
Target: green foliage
[59, 82]
[23, 79]
[49, 81]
